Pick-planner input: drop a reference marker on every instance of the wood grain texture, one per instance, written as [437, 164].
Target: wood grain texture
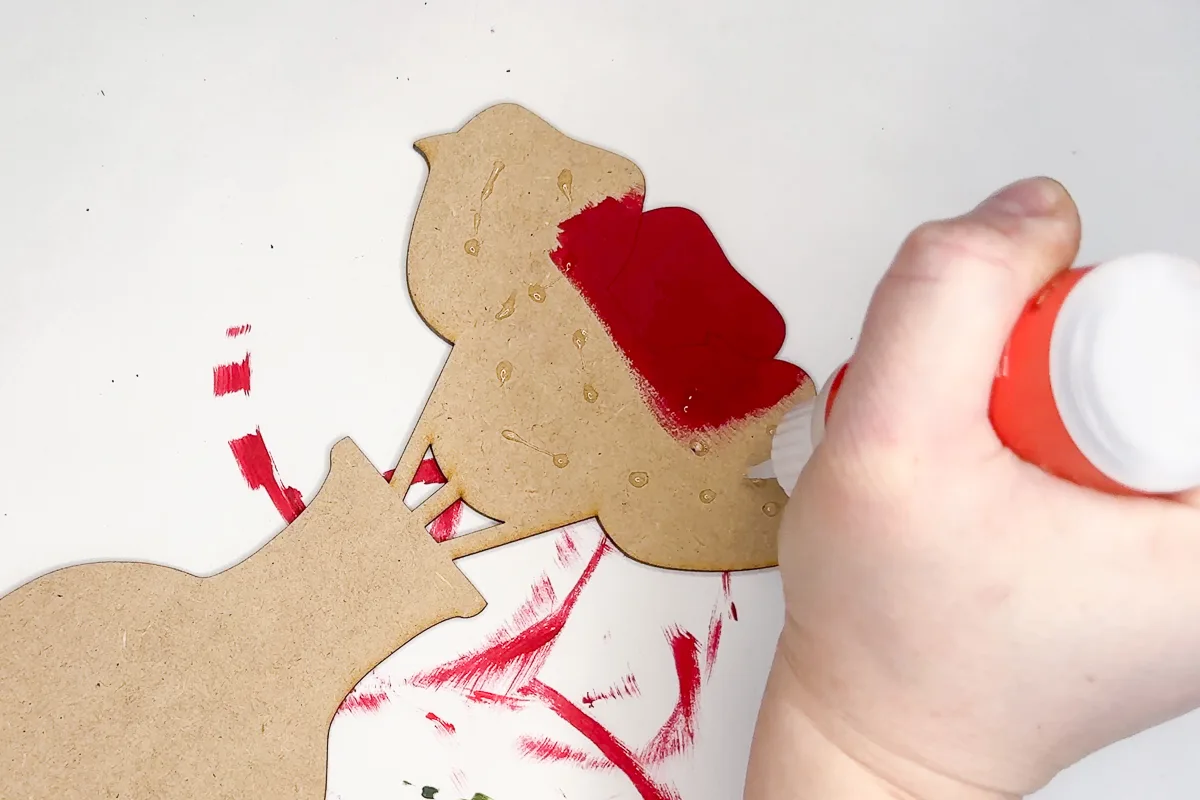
[133, 680]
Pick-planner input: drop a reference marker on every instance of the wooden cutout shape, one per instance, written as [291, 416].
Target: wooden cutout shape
[126, 680]
[539, 418]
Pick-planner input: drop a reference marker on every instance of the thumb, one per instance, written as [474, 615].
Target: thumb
[940, 317]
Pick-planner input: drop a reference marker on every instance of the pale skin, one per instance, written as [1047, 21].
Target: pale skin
[960, 625]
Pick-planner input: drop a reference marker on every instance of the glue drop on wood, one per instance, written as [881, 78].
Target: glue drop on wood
[1099, 383]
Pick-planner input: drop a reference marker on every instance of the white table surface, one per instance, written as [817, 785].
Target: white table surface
[171, 169]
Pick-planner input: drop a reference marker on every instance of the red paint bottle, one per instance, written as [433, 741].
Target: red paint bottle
[1099, 383]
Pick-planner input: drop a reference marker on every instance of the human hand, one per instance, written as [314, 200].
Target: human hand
[959, 623]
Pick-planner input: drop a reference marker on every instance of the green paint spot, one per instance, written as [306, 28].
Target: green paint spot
[407, 783]
[480, 796]
[428, 792]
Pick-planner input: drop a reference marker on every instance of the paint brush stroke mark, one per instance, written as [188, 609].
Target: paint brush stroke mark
[700, 338]
[608, 744]
[441, 724]
[443, 525]
[258, 468]
[363, 702]
[679, 731]
[493, 699]
[513, 657]
[237, 330]
[230, 378]
[626, 687]
[715, 624]
[566, 553]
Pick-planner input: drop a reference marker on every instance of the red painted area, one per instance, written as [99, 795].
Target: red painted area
[493, 699]
[237, 330]
[733, 611]
[542, 748]
[387, 476]
[626, 687]
[440, 724]
[258, 468]
[699, 336]
[715, 624]
[727, 584]
[230, 378]
[566, 553]
[365, 702]
[608, 744]
[512, 658]
[443, 525]
[679, 731]
[429, 472]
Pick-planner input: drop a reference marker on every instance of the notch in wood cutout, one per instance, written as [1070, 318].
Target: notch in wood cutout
[607, 361]
[136, 680]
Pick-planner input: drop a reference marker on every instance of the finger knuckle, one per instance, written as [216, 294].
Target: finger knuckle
[936, 249]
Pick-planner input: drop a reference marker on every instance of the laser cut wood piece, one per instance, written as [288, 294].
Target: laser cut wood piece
[139, 681]
[539, 417]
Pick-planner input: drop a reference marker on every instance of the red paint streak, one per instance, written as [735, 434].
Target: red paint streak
[608, 744]
[429, 472]
[626, 687]
[699, 336]
[236, 331]
[258, 468]
[733, 611]
[679, 731]
[365, 702]
[727, 584]
[493, 699]
[546, 749]
[387, 476]
[440, 724]
[714, 641]
[512, 657]
[230, 378]
[443, 525]
[565, 551]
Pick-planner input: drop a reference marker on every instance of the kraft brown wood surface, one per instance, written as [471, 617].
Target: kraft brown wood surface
[480, 274]
[125, 680]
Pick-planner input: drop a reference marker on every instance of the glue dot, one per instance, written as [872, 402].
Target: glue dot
[639, 479]
[770, 509]
[589, 393]
[707, 496]
[472, 247]
[698, 447]
[561, 460]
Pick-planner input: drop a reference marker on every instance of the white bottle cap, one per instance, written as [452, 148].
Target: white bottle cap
[1125, 370]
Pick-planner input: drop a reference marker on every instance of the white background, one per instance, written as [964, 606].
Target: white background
[151, 153]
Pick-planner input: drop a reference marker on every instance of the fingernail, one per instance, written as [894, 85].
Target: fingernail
[1031, 197]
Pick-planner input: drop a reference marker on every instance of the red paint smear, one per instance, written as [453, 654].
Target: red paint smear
[443, 525]
[429, 472]
[258, 468]
[493, 699]
[516, 657]
[699, 335]
[546, 749]
[236, 331]
[366, 702]
[627, 687]
[612, 748]
[566, 553]
[230, 378]
[714, 641]
[727, 584]
[733, 611]
[679, 731]
[440, 724]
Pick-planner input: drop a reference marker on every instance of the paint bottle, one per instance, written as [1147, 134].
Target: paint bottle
[1098, 384]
